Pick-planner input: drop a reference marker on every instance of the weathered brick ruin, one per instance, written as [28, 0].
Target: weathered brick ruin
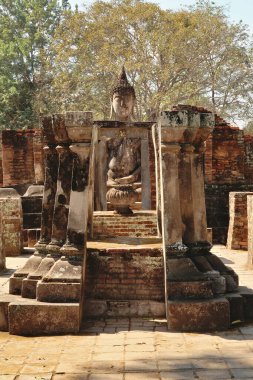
[123, 219]
[228, 168]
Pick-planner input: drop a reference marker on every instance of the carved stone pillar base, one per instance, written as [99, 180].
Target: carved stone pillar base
[63, 281]
[29, 284]
[30, 266]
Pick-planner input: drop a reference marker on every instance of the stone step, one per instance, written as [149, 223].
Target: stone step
[199, 315]
[22, 316]
[31, 318]
[110, 225]
[95, 308]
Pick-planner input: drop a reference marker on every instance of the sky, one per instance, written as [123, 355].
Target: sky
[236, 9]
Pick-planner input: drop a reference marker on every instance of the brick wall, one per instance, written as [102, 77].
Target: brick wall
[217, 208]
[17, 157]
[125, 274]
[225, 154]
[140, 224]
[238, 221]
[248, 146]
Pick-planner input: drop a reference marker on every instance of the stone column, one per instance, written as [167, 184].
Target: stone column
[51, 169]
[62, 196]
[101, 169]
[64, 281]
[145, 175]
[79, 200]
[198, 192]
[80, 130]
[250, 230]
[172, 131]
[2, 253]
[155, 138]
[192, 197]
[170, 199]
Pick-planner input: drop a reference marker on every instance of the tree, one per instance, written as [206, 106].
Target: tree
[54, 59]
[26, 28]
[194, 55]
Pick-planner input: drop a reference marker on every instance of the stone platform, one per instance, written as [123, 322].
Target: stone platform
[126, 280]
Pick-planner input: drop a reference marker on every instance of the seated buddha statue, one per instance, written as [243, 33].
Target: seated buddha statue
[124, 168]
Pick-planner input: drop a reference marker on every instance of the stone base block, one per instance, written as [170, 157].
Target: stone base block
[5, 300]
[15, 285]
[28, 289]
[199, 315]
[236, 304]
[58, 292]
[189, 289]
[127, 308]
[4, 316]
[247, 295]
[35, 318]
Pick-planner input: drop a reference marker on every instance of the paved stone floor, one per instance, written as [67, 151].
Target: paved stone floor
[131, 349]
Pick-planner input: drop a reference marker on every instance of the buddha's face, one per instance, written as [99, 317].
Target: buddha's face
[123, 105]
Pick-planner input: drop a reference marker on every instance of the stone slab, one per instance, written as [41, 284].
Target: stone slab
[4, 316]
[125, 308]
[5, 300]
[15, 285]
[28, 289]
[58, 292]
[189, 289]
[199, 315]
[35, 318]
[247, 295]
[236, 304]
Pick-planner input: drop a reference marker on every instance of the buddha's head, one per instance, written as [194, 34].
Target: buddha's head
[123, 98]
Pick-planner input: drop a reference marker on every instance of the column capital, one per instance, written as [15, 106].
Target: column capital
[62, 148]
[187, 148]
[170, 148]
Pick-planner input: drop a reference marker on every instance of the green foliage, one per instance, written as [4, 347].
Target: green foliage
[53, 58]
[192, 56]
[26, 27]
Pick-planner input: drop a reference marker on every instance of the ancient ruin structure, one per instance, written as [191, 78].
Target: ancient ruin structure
[103, 251]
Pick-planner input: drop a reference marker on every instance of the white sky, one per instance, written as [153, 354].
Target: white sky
[236, 9]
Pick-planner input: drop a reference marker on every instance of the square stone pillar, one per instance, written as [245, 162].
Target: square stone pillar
[64, 177]
[63, 282]
[155, 138]
[50, 184]
[191, 173]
